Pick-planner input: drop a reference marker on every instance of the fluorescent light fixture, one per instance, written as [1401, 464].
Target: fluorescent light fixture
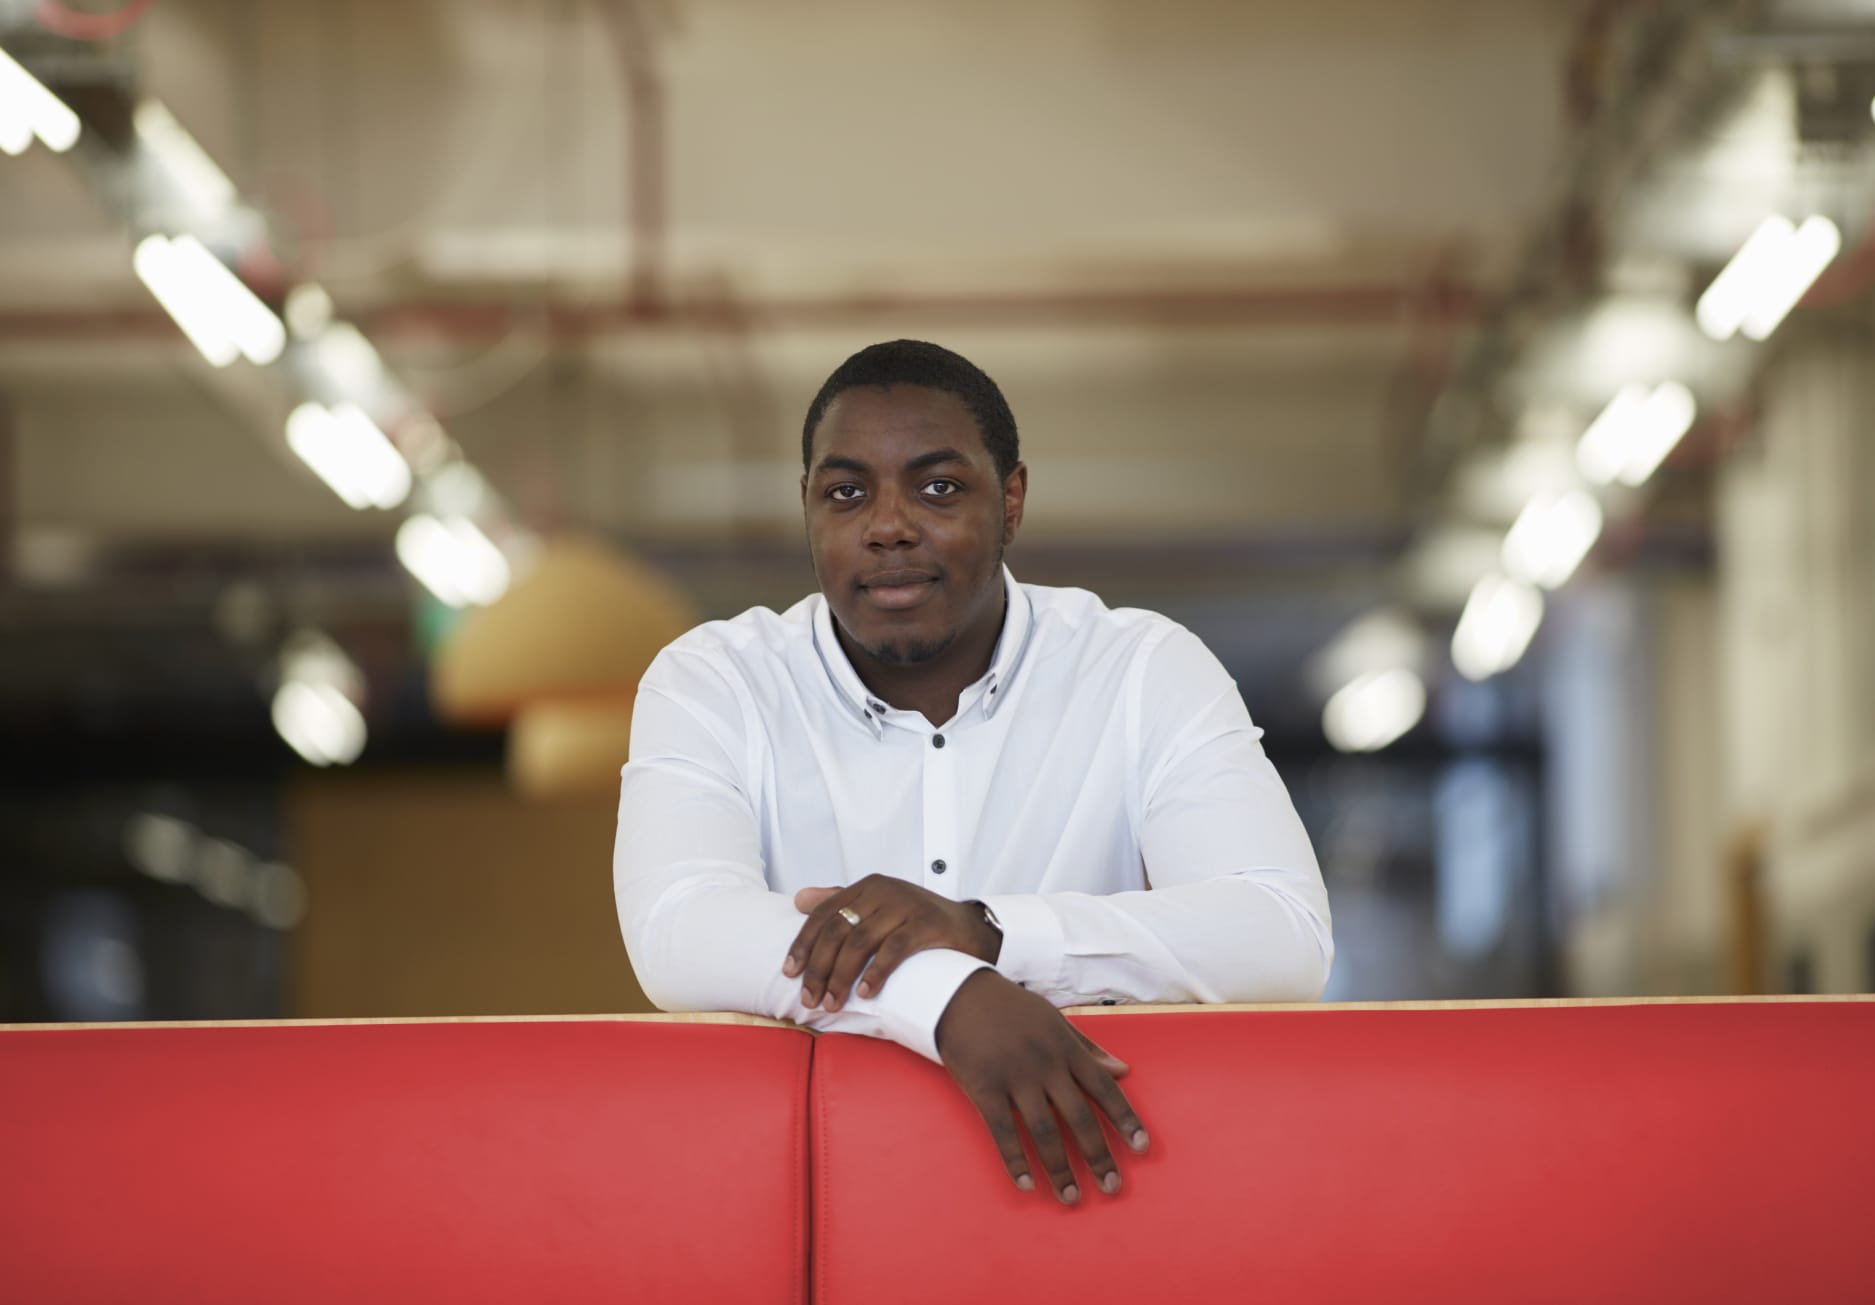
[162, 847]
[16, 134]
[28, 109]
[348, 451]
[1602, 451]
[279, 895]
[454, 560]
[1635, 432]
[1499, 621]
[1551, 536]
[316, 708]
[1729, 299]
[1767, 276]
[203, 185]
[155, 264]
[1807, 253]
[319, 722]
[218, 313]
[1373, 710]
[1666, 417]
[308, 310]
[350, 363]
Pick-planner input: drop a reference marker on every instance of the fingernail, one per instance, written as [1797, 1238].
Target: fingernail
[1026, 1183]
[1070, 1193]
[1111, 1183]
[833, 1003]
[1139, 1139]
[865, 989]
[790, 966]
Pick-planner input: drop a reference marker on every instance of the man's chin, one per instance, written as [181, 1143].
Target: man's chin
[907, 652]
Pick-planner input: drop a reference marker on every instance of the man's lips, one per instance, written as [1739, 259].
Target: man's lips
[895, 589]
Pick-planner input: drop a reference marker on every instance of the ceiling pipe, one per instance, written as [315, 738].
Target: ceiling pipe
[1275, 306]
[634, 40]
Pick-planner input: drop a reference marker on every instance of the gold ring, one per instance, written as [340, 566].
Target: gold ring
[852, 916]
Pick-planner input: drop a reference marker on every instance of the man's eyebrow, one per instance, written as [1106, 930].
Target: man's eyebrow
[934, 458]
[841, 462]
[844, 462]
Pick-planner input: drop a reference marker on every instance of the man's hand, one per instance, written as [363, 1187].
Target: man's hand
[896, 919]
[1005, 1045]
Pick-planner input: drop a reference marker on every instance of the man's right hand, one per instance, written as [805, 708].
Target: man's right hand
[1006, 1046]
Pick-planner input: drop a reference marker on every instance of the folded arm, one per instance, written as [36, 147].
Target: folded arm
[702, 928]
[1237, 911]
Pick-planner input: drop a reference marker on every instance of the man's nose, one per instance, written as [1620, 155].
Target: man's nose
[891, 522]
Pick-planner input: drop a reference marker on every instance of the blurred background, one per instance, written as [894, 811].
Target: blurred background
[1488, 382]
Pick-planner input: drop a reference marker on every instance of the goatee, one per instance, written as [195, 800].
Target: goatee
[909, 654]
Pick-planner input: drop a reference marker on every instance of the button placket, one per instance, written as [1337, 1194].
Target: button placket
[940, 815]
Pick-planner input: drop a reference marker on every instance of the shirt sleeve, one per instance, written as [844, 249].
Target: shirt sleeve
[701, 927]
[1236, 910]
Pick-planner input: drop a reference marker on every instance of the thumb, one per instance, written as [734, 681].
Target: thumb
[808, 898]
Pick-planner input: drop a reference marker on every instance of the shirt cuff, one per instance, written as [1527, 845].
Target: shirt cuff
[918, 992]
[1034, 947]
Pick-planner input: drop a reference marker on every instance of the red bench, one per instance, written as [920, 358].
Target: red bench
[1695, 1150]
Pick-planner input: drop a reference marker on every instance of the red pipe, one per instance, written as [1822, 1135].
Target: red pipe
[1350, 305]
[76, 25]
[645, 160]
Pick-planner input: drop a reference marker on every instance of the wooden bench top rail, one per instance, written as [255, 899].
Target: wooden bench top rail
[760, 1021]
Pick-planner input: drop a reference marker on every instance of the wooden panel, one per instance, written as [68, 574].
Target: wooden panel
[445, 894]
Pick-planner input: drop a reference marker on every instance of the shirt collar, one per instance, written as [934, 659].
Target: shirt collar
[1011, 646]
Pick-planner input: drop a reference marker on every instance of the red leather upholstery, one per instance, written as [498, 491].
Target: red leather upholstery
[1645, 1152]
[434, 1162]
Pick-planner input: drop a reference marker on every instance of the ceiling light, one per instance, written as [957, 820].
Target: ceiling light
[1373, 710]
[1551, 537]
[308, 310]
[1815, 244]
[185, 164]
[349, 452]
[1635, 432]
[28, 109]
[1767, 276]
[214, 308]
[16, 133]
[316, 708]
[319, 723]
[454, 560]
[1499, 621]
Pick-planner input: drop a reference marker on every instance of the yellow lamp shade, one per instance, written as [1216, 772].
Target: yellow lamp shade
[584, 623]
[569, 749]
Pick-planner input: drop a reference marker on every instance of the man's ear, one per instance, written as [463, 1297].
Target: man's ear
[803, 491]
[1015, 494]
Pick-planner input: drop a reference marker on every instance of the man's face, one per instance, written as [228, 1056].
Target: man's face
[907, 519]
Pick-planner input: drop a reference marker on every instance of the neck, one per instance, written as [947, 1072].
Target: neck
[932, 688]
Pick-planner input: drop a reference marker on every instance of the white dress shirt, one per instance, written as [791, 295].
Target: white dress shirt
[1101, 787]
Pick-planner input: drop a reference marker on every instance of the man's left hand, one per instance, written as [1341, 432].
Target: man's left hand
[896, 919]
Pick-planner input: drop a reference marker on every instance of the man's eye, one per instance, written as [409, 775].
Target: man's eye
[952, 487]
[837, 496]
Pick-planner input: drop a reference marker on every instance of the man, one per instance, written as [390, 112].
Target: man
[988, 800]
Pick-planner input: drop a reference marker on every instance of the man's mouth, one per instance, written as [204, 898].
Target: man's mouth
[897, 589]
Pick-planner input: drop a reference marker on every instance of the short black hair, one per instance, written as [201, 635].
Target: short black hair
[918, 362]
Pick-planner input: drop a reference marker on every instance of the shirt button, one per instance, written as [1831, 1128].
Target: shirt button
[937, 867]
[937, 740]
